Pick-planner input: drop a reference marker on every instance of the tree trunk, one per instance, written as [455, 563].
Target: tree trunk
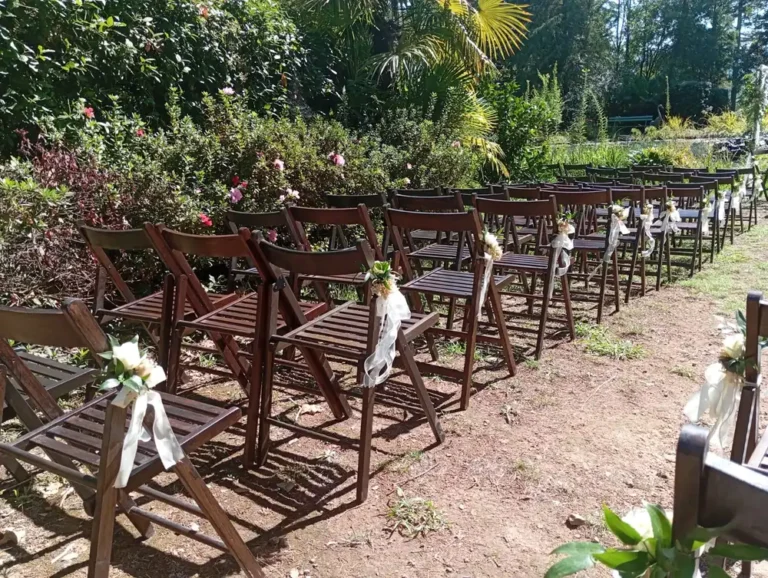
[736, 69]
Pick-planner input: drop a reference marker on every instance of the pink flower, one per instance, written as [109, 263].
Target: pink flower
[203, 11]
[88, 112]
[331, 155]
[338, 160]
[456, 144]
[235, 181]
[244, 185]
[139, 132]
[278, 164]
[205, 220]
[408, 166]
[228, 91]
[235, 195]
[272, 235]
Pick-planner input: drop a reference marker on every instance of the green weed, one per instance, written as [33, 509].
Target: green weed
[597, 340]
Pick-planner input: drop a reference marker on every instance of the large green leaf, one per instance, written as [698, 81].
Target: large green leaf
[717, 572]
[626, 562]
[573, 548]
[740, 552]
[662, 528]
[570, 565]
[623, 531]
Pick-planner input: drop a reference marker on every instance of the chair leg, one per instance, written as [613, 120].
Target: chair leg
[632, 266]
[501, 326]
[409, 363]
[668, 257]
[469, 355]
[103, 526]
[266, 408]
[616, 283]
[695, 255]
[532, 292]
[364, 452]
[601, 298]
[126, 503]
[548, 281]
[174, 351]
[196, 488]
[566, 289]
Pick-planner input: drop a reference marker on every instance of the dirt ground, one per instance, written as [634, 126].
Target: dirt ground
[566, 435]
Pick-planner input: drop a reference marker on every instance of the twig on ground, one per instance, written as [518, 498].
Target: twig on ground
[594, 391]
[400, 484]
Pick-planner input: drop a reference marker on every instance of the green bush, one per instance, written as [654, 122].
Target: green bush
[116, 172]
[666, 156]
[54, 53]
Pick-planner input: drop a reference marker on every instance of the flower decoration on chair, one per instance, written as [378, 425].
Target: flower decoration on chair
[706, 211]
[491, 252]
[670, 217]
[135, 372]
[646, 220]
[619, 216]
[392, 309]
[648, 550]
[719, 396]
[562, 243]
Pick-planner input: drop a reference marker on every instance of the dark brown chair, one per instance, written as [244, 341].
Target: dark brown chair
[91, 438]
[349, 332]
[276, 221]
[590, 252]
[374, 202]
[713, 492]
[575, 170]
[455, 285]
[539, 264]
[725, 181]
[342, 224]
[688, 241]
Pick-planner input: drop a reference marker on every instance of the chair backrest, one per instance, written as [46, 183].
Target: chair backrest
[100, 241]
[584, 204]
[432, 192]
[372, 201]
[686, 196]
[337, 220]
[236, 220]
[648, 168]
[747, 431]
[575, 169]
[72, 326]
[722, 179]
[605, 172]
[712, 492]
[663, 177]
[342, 262]
[175, 247]
[441, 203]
[543, 213]
[523, 192]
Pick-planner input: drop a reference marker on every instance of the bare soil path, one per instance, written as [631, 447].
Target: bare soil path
[563, 437]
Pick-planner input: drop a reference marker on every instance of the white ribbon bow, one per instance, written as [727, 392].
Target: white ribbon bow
[392, 310]
[719, 397]
[669, 221]
[647, 221]
[167, 445]
[485, 282]
[738, 195]
[563, 245]
[617, 228]
[720, 210]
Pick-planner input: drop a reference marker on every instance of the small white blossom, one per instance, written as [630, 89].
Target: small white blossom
[128, 355]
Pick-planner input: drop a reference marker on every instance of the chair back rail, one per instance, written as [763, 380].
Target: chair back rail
[341, 262]
[713, 492]
[444, 222]
[747, 430]
[372, 201]
[431, 192]
[523, 192]
[271, 220]
[442, 203]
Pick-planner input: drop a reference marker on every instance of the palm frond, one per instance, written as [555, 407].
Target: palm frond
[500, 26]
[407, 61]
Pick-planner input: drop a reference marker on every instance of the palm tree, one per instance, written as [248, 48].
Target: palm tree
[422, 49]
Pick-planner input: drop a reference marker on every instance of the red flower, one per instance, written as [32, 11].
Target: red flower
[244, 185]
[205, 220]
[88, 112]
[235, 181]
[139, 132]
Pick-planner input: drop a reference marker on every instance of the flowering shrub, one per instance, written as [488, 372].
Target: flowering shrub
[114, 171]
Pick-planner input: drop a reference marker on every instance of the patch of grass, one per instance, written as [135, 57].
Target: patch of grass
[357, 539]
[414, 517]
[532, 363]
[459, 348]
[728, 280]
[525, 472]
[683, 371]
[403, 463]
[597, 340]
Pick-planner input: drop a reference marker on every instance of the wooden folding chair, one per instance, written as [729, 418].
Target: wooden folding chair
[712, 492]
[349, 331]
[91, 437]
[584, 205]
[455, 285]
[277, 221]
[374, 202]
[690, 201]
[236, 317]
[341, 223]
[539, 264]
[725, 181]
